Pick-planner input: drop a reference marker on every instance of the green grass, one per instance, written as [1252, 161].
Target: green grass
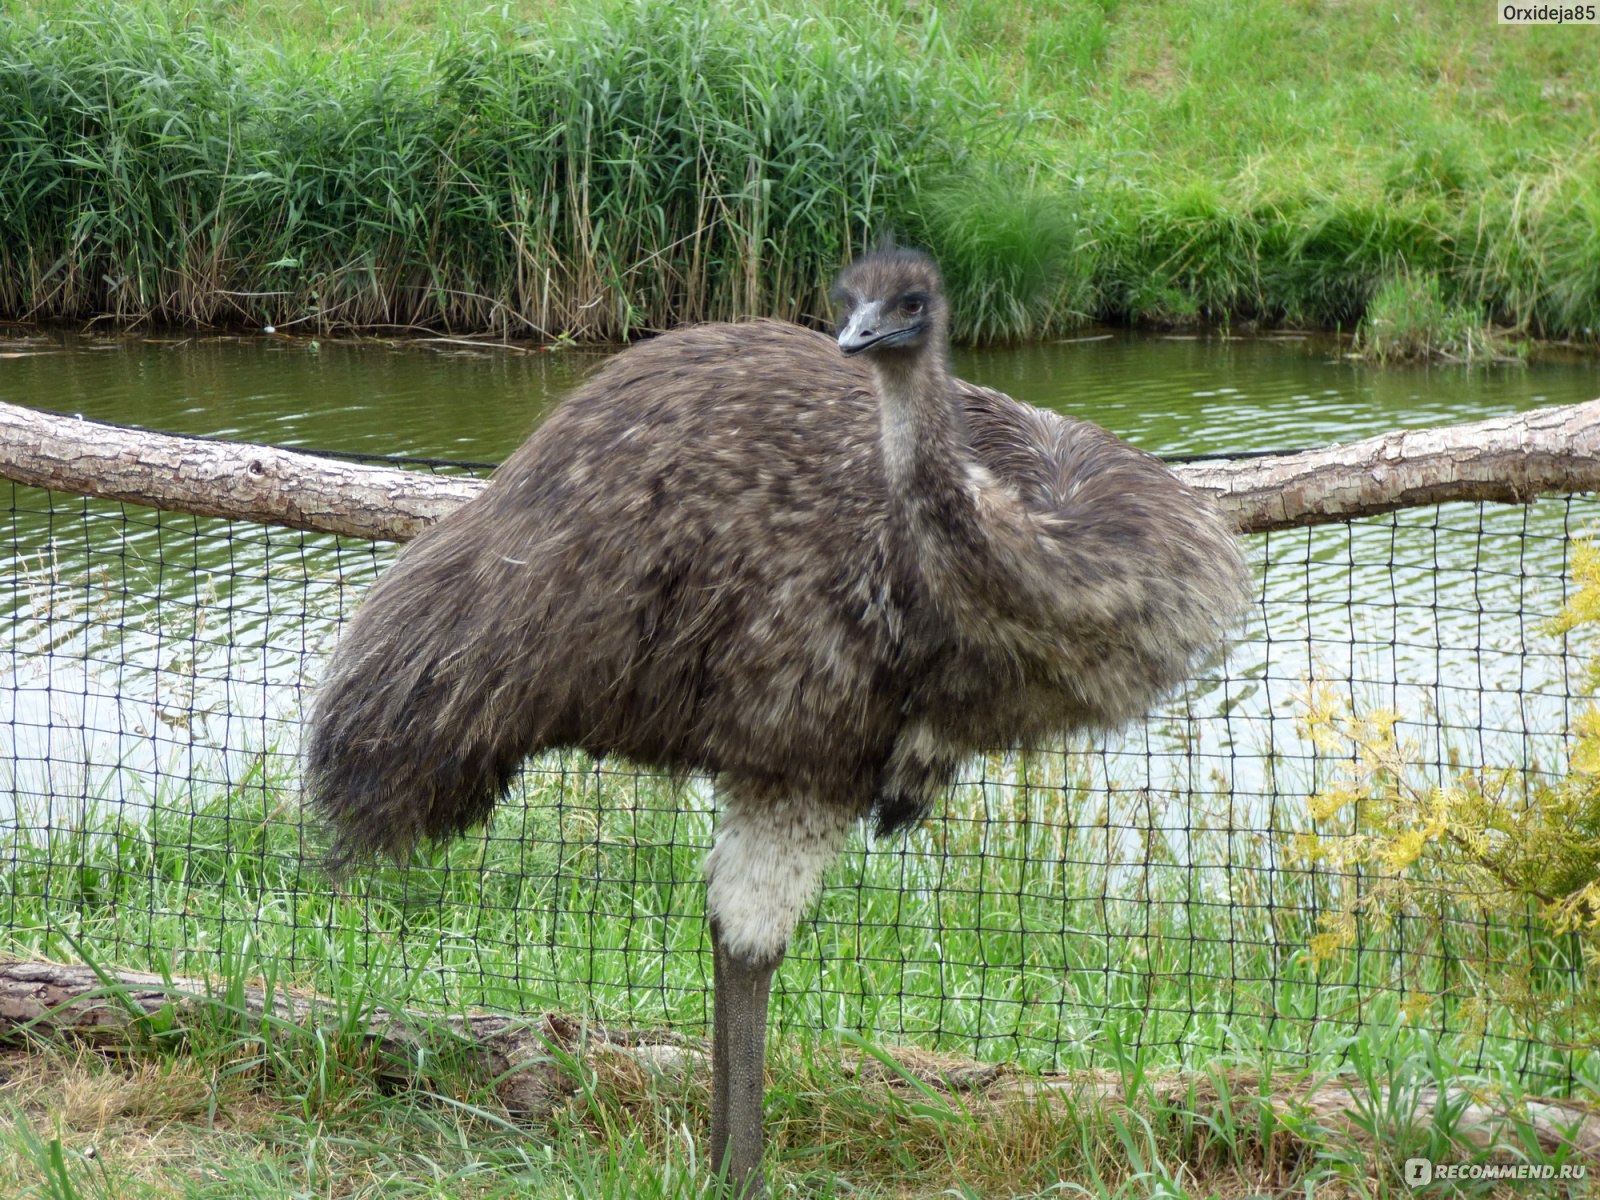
[519, 169]
[1020, 926]
[1409, 321]
[233, 1120]
[586, 899]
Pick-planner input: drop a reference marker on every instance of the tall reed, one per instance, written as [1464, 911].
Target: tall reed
[645, 166]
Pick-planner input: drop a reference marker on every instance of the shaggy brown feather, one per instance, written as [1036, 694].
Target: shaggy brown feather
[698, 562]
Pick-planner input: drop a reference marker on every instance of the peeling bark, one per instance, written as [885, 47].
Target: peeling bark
[237, 480]
[1511, 460]
[126, 1008]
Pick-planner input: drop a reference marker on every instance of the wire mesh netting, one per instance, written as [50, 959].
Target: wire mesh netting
[1067, 902]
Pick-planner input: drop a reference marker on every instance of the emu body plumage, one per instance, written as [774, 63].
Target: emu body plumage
[824, 579]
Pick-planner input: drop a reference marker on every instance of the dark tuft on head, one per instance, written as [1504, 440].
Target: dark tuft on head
[888, 273]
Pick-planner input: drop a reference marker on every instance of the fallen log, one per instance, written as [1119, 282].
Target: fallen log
[121, 1009]
[1508, 460]
[212, 478]
[1511, 460]
[534, 1064]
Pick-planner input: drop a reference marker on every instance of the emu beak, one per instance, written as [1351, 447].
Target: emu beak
[863, 329]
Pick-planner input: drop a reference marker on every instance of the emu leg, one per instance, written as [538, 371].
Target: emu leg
[767, 862]
[738, 1065]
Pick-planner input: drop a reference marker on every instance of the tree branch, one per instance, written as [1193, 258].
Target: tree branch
[1511, 459]
[208, 478]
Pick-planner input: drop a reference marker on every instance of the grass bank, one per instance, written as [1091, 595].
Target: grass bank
[522, 170]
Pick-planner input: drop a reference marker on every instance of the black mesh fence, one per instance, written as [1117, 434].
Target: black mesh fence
[1068, 904]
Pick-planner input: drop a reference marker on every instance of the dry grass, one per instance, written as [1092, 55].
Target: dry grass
[171, 1128]
[844, 1123]
[143, 1122]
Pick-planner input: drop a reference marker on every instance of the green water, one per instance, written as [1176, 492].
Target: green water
[1172, 395]
[143, 651]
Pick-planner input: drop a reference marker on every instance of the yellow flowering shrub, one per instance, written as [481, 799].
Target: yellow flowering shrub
[1490, 838]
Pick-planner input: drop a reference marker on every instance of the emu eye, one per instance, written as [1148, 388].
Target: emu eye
[912, 306]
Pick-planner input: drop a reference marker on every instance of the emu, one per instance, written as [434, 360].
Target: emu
[824, 574]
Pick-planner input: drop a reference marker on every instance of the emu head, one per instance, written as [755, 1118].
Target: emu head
[891, 302]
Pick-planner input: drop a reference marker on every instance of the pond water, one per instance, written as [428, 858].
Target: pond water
[134, 641]
[1169, 394]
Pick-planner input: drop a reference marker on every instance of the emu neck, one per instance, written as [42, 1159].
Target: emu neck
[928, 466]
[924, 435]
